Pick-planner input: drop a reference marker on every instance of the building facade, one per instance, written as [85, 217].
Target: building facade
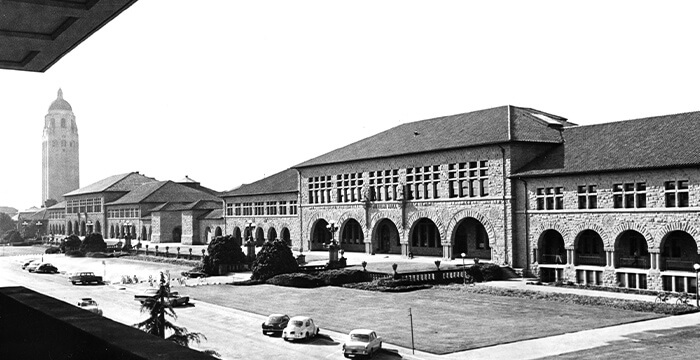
[60, 163]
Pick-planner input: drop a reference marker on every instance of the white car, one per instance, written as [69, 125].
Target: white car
[90, 305]
[362, 342]
[300, 327]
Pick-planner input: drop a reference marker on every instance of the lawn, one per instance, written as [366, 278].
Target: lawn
[445, 321]
[21, 250]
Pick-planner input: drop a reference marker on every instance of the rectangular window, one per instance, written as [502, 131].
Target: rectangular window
[237, 209]
[422, 182]
[383, 185]
[320, 189]
[271, 208]
[293, 207]
[98, 205]
[259, 208]
[676, 193]
[630, 195]
[348, 187]
[229, 209]
[283, 208]
[587, 197]
[468, 179]
[550, 198]
[247, 209]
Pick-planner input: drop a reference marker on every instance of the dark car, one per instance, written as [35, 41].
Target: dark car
[194, 274]
[46, 268]
[27, 263]
[275, 323]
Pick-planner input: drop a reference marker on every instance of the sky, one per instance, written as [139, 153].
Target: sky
[228, 92]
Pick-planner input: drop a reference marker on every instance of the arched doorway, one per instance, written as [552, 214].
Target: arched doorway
[98, 227]
[144, 235]
[271, 234]
[425, 238]
[590, 249]
[82, 228]
[551, 248]
[150, 233]
[111, 231]
[471, 239]
[286, 237]
[259, 237]
[76, 229]
[217, 233]
[207, 235]
[679, 251]
[320, 236]
[631, 250]
[386, 238]
[177, 234]
[70, 228]
[351, 236]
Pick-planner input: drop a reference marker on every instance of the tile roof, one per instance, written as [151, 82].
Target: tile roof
[195, 205]
[655, 142]
[162, 192]
[59, 206]
[113, 183]
[216, 214]
[483, 127]
[285, 181]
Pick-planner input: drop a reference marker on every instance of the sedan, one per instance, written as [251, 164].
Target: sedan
[31, 267]
[28, 262]
[46, 268]
[275, 324]
[362, 342]
[90, 305]
[173, 299]
[300, 327]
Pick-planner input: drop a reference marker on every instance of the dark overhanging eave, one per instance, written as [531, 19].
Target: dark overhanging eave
[603, 171]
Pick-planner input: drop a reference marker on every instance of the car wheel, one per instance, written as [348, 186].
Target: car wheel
[346, 355]
[307, 335]
[73, 282]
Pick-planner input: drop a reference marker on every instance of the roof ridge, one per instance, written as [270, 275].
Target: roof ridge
[635, 119]
[164, 182]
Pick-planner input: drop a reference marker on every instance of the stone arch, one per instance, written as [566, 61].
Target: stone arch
[433, 216]
[629, 225]
[306, 236]
[217, 231]
[471, 213]
[378, 216]
[271, 233]
[570, 241]
[548, 225]
[358, 216]
[676, 226]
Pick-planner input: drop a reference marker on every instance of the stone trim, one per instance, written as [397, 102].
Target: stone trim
[677, 226]
[378, 216]
[630, 225]
[356, 215]
[549, 225]
[578, 229]
[432, 215]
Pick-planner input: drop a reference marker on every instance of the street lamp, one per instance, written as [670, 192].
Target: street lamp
[332, 248]
[332, 228]
[38, 231]
[250, 245]
[697, 270]
[127, 237]
[464, 269]
[89, 224]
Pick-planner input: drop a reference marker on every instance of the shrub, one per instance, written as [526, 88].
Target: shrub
[274, 258]
[70, 243]
[98, 255]
[222, 250]
[299, 280]
[52, 250]
[12, 236]
[93, 243]
[321, 278]
[389, 285]
[75, 253]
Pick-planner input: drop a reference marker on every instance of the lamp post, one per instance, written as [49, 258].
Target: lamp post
[332, 247]
[464, 269]
[127, 236]
[90, 224]
[696, 266]
[250, 244]
[38, 230]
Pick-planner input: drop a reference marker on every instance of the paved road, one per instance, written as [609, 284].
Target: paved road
[233, 334]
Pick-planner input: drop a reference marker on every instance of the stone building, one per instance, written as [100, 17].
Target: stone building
[265, 210]
[60, 167]
[615, 204]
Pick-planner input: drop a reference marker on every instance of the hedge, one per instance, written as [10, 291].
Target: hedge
[322, 278]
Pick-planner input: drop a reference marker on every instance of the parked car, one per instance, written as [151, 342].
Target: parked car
[174, 298]
[85, 277]
[31, 267]
[362, 342]
[28, 262]
[300, 327]
[45, 268]
[194, 274]
[275, 324]
[90, 305]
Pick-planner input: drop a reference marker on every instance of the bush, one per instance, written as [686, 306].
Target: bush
[12, 236]
[93, 243]
[98, 255]
[389, 285]
[75, 253]
[222, 250]
[321, 278]
[274, 258]
[70, 243]
[52, 250]
[485, 272]
[299, 280]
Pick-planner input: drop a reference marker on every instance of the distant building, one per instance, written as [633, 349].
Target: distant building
[60, 167]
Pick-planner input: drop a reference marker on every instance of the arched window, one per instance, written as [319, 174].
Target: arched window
[63, 123]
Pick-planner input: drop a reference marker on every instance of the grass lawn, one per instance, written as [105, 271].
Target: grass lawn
[21, 250]
[444, 320]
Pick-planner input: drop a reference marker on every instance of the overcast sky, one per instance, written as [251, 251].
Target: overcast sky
[228, 92]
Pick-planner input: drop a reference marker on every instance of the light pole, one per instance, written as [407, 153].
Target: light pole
[697, 271]
[464, 269]
[89, 224]
[127, 237]
[38, 230]
[250, 244]
[332, 248]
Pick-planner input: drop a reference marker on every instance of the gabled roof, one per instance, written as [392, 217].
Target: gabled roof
[483, 127]
[285, 181]
[655, 142]
[58, 206]
[114, 183]
[216, 214]
[164, 191]
[39, 215]
[195, 205]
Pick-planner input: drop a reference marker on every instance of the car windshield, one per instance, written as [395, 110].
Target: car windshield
[275, 319]
[359, 337]
[298, 323]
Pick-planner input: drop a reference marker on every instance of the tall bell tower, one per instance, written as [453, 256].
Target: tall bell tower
[59, 163]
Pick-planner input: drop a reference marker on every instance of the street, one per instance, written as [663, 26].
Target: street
[232, 333]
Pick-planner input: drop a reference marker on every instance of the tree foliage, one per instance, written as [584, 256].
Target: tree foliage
[93, 243]
[71, 243]
[12, 236]
[222, 250]
[6, 223]
[274, 258]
